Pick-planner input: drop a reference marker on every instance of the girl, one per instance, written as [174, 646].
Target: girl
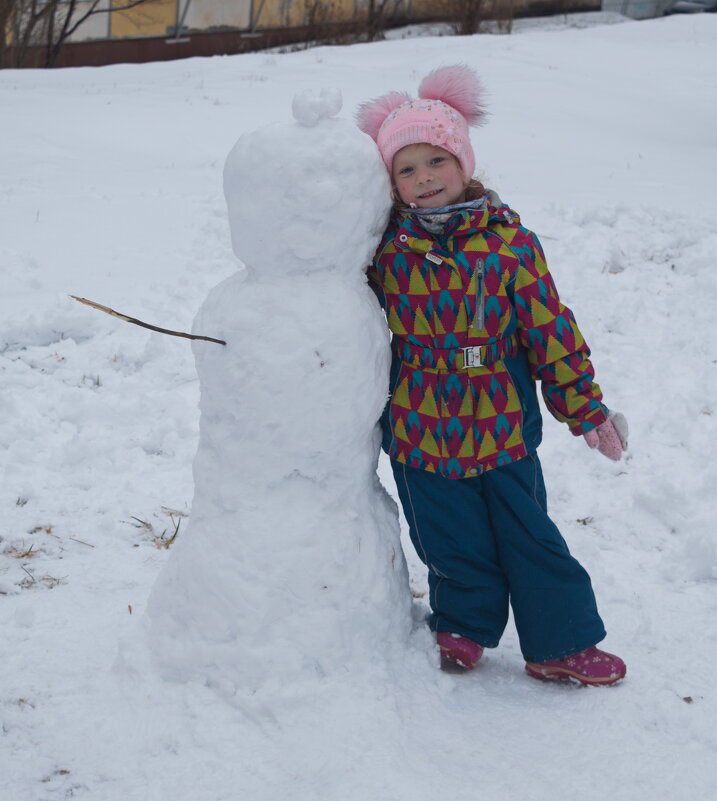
[476, 321]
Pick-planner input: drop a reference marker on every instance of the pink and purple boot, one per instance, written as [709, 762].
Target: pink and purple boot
[591, 666]
[458, 654]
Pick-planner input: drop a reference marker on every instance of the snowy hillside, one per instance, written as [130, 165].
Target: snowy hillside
[603, 138]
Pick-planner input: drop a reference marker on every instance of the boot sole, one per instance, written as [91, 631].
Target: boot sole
[561, 674]
[454, 666]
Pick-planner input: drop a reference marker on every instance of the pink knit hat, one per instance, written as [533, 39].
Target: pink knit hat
[449, 100]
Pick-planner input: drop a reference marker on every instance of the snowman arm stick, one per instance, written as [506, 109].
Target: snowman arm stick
[135, 321]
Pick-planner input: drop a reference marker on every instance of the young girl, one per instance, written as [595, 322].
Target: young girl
[476, 321]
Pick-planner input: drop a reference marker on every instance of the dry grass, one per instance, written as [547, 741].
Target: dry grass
[165, 538]
[22, 552]
[25, 552]
[45, 580]
[43, 529]
[59, 772]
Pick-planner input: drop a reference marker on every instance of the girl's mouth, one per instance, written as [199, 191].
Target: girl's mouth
[429, 194]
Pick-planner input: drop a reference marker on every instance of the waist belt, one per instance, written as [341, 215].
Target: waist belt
[454, 359]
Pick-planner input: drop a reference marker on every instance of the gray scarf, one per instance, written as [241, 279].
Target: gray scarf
[433, 220]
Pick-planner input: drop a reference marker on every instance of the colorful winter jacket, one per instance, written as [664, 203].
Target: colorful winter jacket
[459, 410]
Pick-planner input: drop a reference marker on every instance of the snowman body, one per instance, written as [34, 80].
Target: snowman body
[291, 565]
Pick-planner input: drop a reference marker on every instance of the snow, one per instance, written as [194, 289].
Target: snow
[602, 137]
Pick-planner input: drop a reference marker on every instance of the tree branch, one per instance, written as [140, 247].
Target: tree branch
[135, 321]
[109, 10]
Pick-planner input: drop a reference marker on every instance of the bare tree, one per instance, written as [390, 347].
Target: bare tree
[375, 19]
[504, 13]
[45, 24]
[470, 14]
[377, 12]
[318, 16]
[5, 28]
[467, 16]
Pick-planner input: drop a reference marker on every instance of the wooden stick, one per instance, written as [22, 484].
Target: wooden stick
[82, 542]
[135, 321]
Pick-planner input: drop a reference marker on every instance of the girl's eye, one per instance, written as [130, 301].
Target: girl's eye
[437, 160]
[405, 171]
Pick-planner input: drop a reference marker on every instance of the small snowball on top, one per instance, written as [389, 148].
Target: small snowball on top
[310, 107]
[306, 195]
[449, 101]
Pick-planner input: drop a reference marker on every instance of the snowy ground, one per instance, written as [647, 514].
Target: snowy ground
[603, 138]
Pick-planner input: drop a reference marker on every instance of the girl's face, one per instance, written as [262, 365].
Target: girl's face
[427, 177]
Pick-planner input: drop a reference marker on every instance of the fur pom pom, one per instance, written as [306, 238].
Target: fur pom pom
[459, 87]
[372, 114]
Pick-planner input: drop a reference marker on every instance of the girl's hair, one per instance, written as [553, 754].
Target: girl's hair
[474, 190]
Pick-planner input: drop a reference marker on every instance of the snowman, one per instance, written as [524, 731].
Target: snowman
[291, 567]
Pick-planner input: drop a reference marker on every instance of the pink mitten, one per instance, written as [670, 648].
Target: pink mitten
[610, 438]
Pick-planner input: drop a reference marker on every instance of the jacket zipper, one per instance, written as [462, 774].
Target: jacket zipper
[479, 319]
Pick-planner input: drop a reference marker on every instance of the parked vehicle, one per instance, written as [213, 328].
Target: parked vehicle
[691, 6]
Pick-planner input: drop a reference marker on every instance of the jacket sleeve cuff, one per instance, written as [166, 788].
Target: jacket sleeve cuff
[594, 419]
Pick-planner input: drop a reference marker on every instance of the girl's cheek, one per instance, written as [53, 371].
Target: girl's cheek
[400, 193]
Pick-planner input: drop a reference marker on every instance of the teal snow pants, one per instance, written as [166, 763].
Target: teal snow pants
[487, 542]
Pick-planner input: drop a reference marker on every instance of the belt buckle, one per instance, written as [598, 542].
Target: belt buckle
[471, 357]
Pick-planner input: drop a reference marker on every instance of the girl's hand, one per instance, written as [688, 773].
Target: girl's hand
[610, 438]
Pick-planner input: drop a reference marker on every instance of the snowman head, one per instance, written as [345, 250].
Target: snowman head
[307, 195]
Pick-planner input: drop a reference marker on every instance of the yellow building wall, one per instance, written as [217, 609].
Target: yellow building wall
[286, 13]
[278, 13]
[207, 14]
[147, 19]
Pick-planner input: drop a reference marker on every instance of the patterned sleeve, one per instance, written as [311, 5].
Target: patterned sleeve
[557, 353]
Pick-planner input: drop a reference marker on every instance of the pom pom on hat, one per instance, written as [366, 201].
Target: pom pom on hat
[456, 86]
[372, 114]
[449, 100]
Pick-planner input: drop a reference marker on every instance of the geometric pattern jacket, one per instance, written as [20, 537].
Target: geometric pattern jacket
[476, 321]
